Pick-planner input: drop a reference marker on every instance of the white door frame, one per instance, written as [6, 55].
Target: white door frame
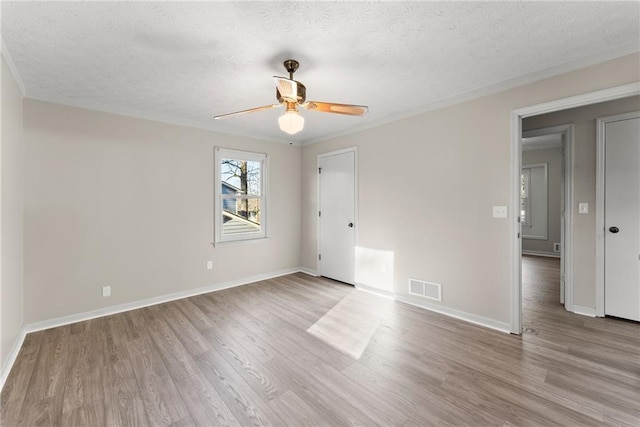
[566, 235]
[354, 150]
[516, 163]
[600, 175]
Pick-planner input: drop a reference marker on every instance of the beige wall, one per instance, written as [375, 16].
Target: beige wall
[11, 197]
[125, 202]
[584, 184]
[455, 166]
[553, 158]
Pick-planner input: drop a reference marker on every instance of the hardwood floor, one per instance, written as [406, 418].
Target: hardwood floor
[294, 351]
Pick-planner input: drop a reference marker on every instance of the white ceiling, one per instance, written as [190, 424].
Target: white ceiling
[185, 62]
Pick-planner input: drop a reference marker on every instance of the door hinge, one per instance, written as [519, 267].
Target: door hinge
[319, 213]
[519, 218]
[319, 171]
[319, 257]
[518, 235]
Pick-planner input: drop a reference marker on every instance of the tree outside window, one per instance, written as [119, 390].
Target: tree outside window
[240, 184]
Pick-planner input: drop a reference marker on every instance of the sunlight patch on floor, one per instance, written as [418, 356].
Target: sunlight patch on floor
[350, 325]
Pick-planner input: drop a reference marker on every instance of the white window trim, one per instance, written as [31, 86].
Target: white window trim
[263, 158]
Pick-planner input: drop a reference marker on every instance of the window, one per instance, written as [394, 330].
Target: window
[525, 200]
[533, 201]
[240, 206]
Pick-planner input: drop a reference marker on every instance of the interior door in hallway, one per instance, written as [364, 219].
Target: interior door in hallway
[622, 218]
[336, 258]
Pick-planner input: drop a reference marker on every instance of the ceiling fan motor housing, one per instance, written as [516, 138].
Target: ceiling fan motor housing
[291, 65]
[299, 96]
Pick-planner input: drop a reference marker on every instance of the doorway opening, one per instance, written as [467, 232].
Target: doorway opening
[545, 214]
[516, 181]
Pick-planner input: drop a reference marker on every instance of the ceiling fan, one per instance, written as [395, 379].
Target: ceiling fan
[292, 94]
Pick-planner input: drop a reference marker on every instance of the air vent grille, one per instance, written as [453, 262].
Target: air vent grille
[425, 289]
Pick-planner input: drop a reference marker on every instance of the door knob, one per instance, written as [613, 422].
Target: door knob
[351, 224]
[614, 229]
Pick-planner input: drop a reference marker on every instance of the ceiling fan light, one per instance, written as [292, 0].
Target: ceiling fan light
[291, 122]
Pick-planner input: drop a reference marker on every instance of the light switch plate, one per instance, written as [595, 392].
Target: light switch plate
[499, 211]
[583, 208]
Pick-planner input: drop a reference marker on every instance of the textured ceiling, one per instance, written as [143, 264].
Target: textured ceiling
[186, 62]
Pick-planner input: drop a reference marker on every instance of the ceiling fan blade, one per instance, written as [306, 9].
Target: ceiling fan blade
[330, 107]
[288, 88]
[251, 110]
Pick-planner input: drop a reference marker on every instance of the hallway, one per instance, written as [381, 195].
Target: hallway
[602, 354]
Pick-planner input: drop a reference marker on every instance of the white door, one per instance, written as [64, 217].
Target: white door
[622, 218]
[336, 259]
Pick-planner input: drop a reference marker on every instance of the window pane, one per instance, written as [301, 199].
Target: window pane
[525, 214]
[241, 177]
[241, 212]
[241, 216]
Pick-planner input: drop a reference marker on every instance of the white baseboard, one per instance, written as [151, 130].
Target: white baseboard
[541, 253]
[447, 311]
[107, 311]
[309, 271]
[13, 355]
[114, 309]
[585, 311]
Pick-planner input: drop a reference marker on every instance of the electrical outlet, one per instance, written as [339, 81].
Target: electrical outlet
[209, 265]
[106, 291]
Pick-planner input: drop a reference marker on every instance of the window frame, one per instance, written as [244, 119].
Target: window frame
[525, 182]
[533, 224]
[263, 158]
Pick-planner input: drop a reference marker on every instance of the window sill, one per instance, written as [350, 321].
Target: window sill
[534, 237]
[240, 242]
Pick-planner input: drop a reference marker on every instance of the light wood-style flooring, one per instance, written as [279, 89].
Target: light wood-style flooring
[299, 350]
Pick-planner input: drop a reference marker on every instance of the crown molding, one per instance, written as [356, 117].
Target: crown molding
[4, 52]
[136, 114]
[565, 67]
[562, 68]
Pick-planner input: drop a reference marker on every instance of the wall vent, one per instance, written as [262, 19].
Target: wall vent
[425, 289]
[556, 247]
